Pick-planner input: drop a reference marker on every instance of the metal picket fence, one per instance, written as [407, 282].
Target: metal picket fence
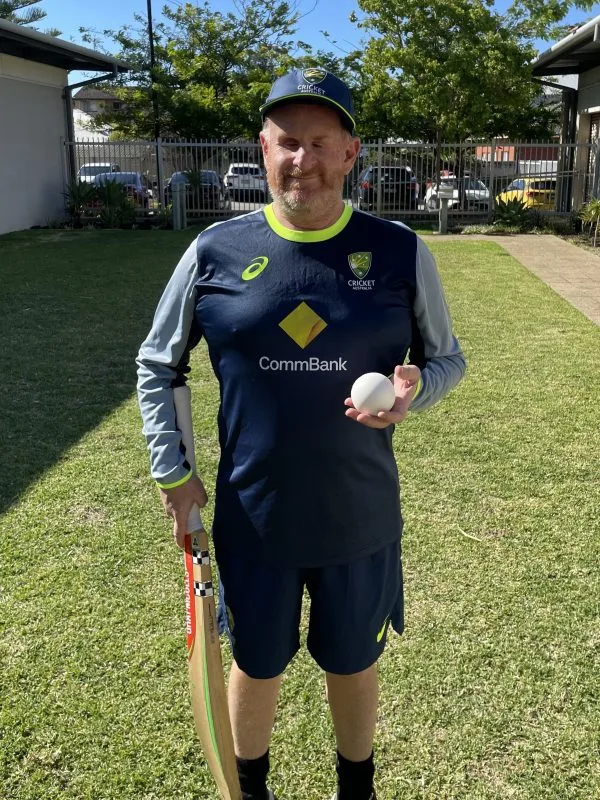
[392, 179]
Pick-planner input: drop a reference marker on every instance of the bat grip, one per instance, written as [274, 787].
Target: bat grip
[195, 520]
[182, 397]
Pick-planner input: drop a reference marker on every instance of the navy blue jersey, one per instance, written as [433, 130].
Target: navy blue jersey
[291, 319]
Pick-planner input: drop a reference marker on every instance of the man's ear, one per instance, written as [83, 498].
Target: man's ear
[352, 152]
[264, 142]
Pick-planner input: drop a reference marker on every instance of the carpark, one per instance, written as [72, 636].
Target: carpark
[391, 179]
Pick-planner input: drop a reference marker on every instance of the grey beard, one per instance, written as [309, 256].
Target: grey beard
[291, 202]
[288, 200]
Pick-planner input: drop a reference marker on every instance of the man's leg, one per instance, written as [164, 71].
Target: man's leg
[261, 618]
[252, 706]
[353, 703]
[351, 609]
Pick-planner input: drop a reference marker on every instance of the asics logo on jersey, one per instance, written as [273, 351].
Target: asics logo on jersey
[360, 264]
[254, 269]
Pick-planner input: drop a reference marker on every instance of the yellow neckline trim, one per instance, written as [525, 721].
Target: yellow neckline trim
[307, 236]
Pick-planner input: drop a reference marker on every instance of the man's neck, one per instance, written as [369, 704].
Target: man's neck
[307, 220]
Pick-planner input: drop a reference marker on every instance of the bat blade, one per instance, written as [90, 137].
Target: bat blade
[207, 683]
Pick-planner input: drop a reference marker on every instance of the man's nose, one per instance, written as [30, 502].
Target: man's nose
[304, 158]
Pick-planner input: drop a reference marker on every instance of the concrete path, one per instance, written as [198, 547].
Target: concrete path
[573, 273]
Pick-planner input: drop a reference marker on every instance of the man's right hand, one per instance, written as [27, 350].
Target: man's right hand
[179, 502]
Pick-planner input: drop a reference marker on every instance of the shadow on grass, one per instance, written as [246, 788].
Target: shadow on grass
[74, 308]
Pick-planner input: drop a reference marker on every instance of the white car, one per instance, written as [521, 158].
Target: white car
[468, 194]
[246, 180]
[87, 172]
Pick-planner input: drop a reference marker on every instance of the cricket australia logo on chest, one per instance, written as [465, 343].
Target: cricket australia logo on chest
[360, 264]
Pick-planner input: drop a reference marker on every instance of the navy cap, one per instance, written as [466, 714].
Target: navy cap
[312, 85]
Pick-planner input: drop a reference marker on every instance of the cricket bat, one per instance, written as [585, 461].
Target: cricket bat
[207, 683]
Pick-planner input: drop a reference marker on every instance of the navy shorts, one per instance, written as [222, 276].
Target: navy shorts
[351, 608]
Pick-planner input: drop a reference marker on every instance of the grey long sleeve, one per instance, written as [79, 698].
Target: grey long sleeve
[161, 360]
[436, 350]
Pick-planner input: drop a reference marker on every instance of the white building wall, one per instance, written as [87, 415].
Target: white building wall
[589, 91]
[32, 129]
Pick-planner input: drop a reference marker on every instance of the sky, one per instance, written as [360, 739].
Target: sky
[318, 15]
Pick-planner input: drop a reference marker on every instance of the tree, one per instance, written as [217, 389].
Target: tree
[212, 69]
[9, 9]
[542, 19]
[456, 69]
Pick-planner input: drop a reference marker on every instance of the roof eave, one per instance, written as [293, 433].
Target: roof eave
[548, 62]
[22, 42]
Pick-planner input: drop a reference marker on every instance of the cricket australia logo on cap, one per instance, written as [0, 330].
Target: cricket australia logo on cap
[314, 74]
[360, 264]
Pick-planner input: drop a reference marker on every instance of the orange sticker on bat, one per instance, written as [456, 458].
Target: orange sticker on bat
[190, 605]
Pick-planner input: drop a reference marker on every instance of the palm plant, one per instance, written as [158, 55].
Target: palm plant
[590, 215]
[512, 213]
[79, 196]
[194, 177]
[117, 208]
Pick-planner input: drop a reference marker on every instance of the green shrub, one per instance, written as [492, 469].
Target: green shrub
[590, 217]
[561, 226]
[79, 196]
[468, 230]
[163, 217]
[497, 229]
[514, 214]
[117, 209]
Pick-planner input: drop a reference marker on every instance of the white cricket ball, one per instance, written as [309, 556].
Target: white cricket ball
[373, 392]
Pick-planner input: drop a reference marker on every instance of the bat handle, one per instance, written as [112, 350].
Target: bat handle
[195, 521]
[182, 397]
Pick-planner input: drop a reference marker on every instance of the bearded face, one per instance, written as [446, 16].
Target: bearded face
[307, 155]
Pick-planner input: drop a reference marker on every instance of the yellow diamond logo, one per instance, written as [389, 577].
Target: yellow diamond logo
[303, 325]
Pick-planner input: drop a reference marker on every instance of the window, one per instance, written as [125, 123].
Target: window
[94, 169]
[119, 177]
[249, 170]
[396, 174]
[544, 186]
[474, 185]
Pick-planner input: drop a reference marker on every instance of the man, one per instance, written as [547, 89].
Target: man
[295, 301]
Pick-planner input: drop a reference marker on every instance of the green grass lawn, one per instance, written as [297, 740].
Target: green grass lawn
[492, 692]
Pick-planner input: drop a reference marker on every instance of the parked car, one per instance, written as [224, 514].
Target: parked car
[391, 188]
[468, 194]
[246, 180]
[134, 183]
[204, 190]
[87, 172]
[535, 192]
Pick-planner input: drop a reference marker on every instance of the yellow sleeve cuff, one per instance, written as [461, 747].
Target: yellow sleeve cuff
[419, 387]
[183, 480]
